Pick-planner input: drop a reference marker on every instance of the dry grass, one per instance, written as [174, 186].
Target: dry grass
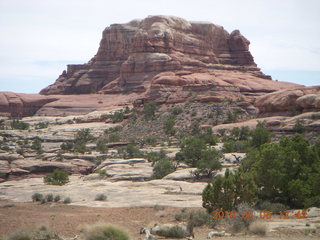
[258, 228]
[103, 231]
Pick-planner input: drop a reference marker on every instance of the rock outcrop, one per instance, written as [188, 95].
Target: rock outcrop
[284, 101]
[163, 58]
[21, 105]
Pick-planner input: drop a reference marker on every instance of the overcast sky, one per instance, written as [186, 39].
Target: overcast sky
[39, 37]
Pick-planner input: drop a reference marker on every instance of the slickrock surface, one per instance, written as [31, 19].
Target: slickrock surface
[120, 193]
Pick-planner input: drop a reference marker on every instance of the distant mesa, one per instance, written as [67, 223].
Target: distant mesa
[149, 56]
[163, 59]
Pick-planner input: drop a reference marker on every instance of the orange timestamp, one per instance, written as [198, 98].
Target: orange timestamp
[260, 214]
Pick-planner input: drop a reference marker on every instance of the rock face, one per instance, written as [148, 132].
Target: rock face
[20, 105]
[301, 99]
[163, 58]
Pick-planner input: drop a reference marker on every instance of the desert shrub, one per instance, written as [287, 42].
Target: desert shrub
[191, 148]
[273, 207]
[67, 200]
[102, 146]
[17, 124]
[49, 197]
[57, 198]
[67, 146]
[113, 129]
[158, 207]
[241, 223]
[173, 232]
[100, 197]
[114, 138]
[209, 162]
[182, 216]
[299, 126]
[41, 125]
[156, 156]
[149, 110]
[151, 140]
[258, 228]
[315, 116]
[31, 234]
[169, 125]
[83, 135]
[162, 168]
[235, 146]
[260, 135]
[117, 116]
[58, 177]
[285, 173]
[80, 147]
[37, 197]
[104, 232]
[20, 151]
[101, 171]
[176, 110]
[133, 151]
[228, 191]
[208, 137]
[201, 218]
[36, 144]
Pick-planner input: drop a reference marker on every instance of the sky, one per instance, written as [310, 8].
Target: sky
[38, 38]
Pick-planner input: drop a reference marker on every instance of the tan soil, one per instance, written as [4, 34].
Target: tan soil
[67, 220]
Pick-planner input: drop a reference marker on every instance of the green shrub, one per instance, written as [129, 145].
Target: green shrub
[201, 217]
[58, 177]
[162, 168]
[117, 116]
[49, 197]
[104, 232]
[36, 144]
[83, 135]
[67, 146]
[235, 146]
[67, 200]
[133, 151]
[151, 140]
[114, 138]
[41, 125]
[113, 129]
[169, 125]
[299, 126]
[273, 207]
[315, 116]
[101, 171]
[173, 232]
[100, 197]
[37, 197]
[156, 156]
[102, 146]
[57, 198]
[16, 124]
[31, 234]
[80, 147]
[149, 110]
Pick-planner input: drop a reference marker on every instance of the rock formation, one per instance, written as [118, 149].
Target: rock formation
[20, 105]
[163, 58]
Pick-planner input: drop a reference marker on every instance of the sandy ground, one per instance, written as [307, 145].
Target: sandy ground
[67, 220]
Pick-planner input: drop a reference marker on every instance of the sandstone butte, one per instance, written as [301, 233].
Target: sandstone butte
[164, 59]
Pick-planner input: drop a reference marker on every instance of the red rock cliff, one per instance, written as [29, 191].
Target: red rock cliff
[131, 56]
